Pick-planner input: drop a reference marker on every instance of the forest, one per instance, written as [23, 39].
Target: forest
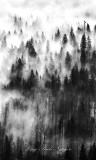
[53, 115]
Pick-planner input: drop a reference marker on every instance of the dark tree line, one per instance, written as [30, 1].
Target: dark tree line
[10, 150]
[71, 109]
[16, 77]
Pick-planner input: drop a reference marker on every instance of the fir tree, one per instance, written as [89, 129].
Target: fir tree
[88, 28]
[57, 34]
[31, 49]
[68, 155]
[95, 28]
[66, 82]
[83, 50]
[92, 85]
[88, 48]
[7, 149]
[82, 155]
[65, 39]
[68, 61]
[72, 35]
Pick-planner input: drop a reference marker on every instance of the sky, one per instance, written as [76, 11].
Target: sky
[69, 10]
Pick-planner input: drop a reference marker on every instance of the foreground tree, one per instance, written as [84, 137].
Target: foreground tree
[83, 155]
[83, 50]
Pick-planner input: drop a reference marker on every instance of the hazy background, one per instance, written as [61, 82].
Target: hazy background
[60, 10]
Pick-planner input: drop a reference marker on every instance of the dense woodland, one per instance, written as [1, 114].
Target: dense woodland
[64, 97]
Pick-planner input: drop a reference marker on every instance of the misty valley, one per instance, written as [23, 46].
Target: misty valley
[47, 91]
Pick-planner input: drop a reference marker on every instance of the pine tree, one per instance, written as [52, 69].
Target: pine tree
[95, 28]
[89, 44]
[73, 77]
[21, 31]
[65, 39]
[57, 34]
[15, 20]
[82, 155]
[43, 36]
[92, 84]
[72, 35]
[58, 83]
[66, 82]
[19, 149]
[31, 82]
[68, 155]
[83, 50]
[68, 61]
[7, 149]
[88, 48]
[88, 28]
[31, 49]
[93, 63]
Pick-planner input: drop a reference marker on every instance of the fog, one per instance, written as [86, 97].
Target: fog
[46, 16]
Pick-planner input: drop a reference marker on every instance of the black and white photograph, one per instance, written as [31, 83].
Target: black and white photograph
[47, 79]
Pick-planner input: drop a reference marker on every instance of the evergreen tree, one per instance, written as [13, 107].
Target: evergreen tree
[72, 35]
[88, 28]
[13, 69]
[74, 75]
[89, 44]
[19, 149]
[31, 49]
[80, 30]
[83, 50]
[58, 83]
[82, 155]
[15, 20]
[66, 82]
[43, 36]
[68, 155]
[7, 149]
[57, 34]
[92, 85]
[93, 63]
[65, 39]
[95, 28]
[31, 82]
[92, 152]
[68, 61]
[21, 31]
[88, 48]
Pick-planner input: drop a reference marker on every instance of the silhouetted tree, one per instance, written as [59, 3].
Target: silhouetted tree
[95, 28]
[68, 155]
[93, 63]
[83, 50]
[7, 151]
[88, 28]
[19, 149]
[74, 75]
[88, 48]
[66, 82]
[92, 152]
[80, 30]
[57, 34]
[65, 39]
[72, 35]
[30, 47]
[68, 61]
[82, 155]
[92, 85]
